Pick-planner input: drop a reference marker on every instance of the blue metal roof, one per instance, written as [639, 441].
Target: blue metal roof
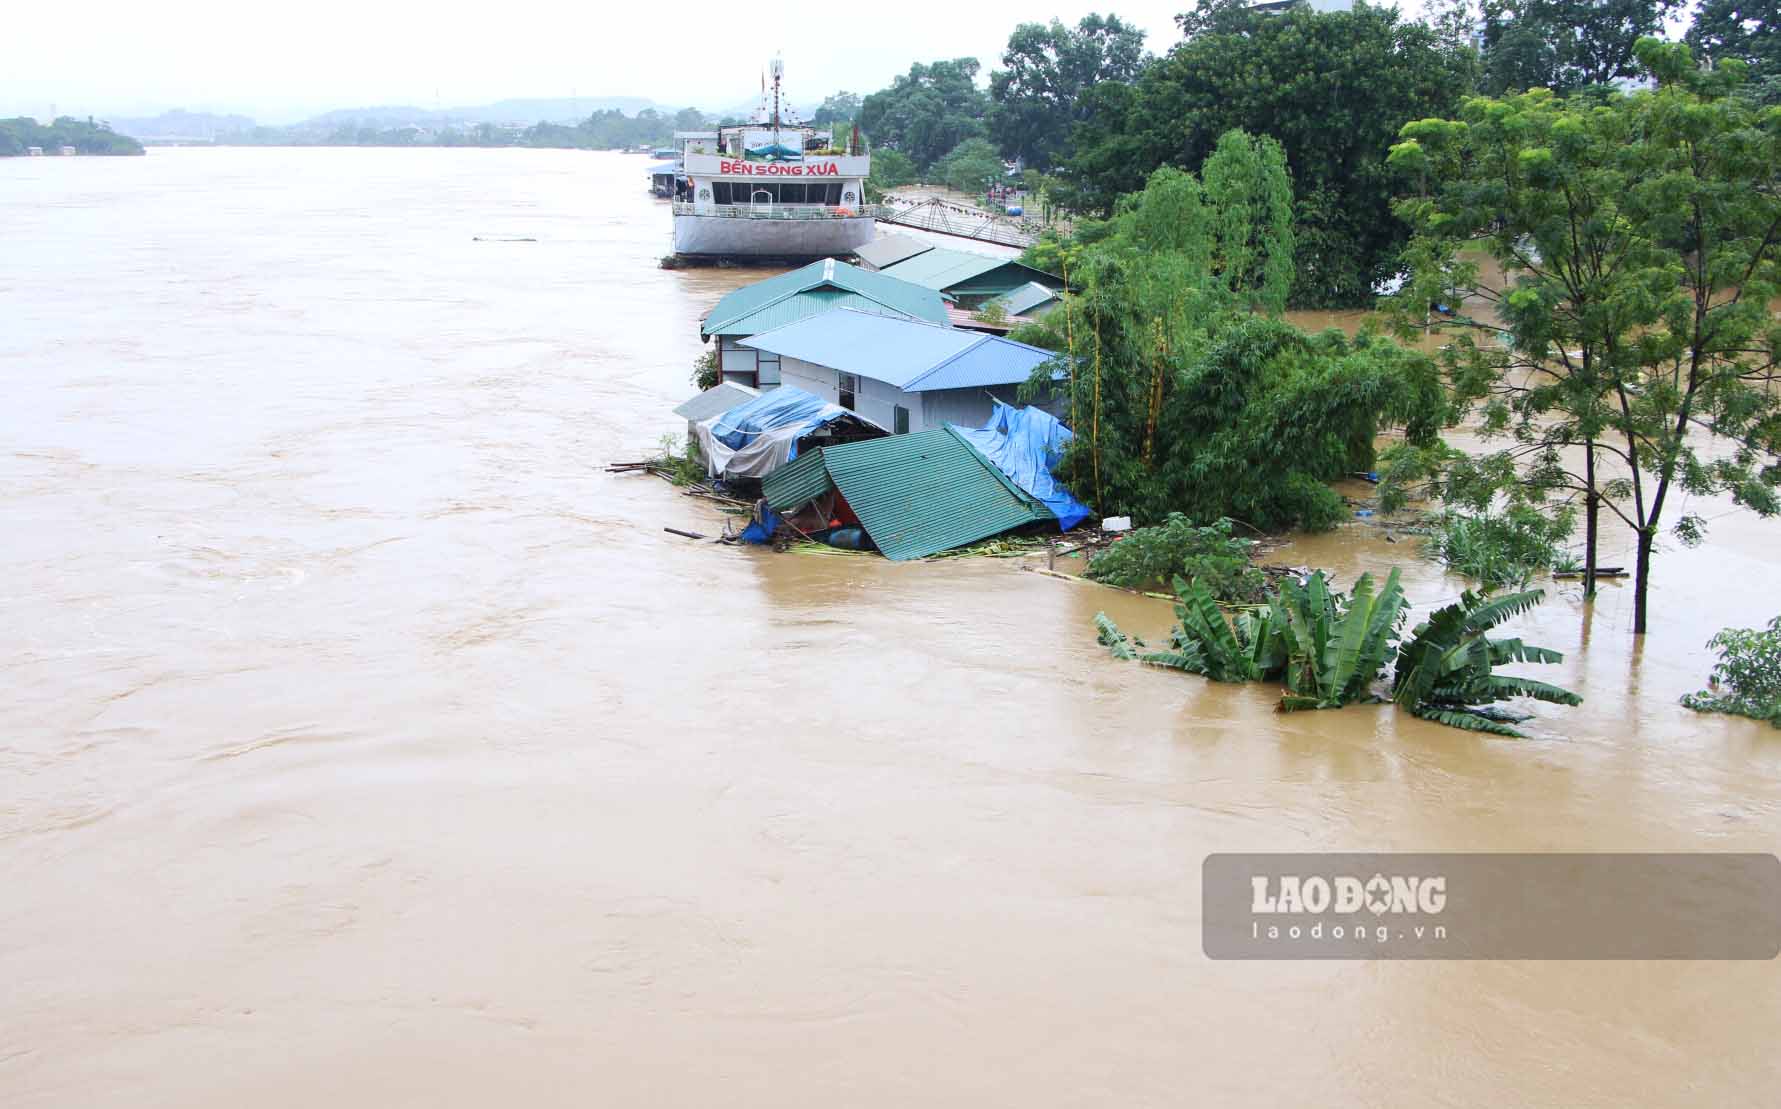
[908, 354]
[664, 168]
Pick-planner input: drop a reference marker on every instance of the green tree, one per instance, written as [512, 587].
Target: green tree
[1036, 96]
[1748, 30]
[890, 168]
[928, 111]
[1184, 400]
[840, 107]
[1640, 244]
[690, 119]
[1332, 89]
[968, 166]
[1565, 44]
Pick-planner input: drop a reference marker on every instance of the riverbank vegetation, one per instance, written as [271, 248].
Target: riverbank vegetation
[1746, 681]
[610, 129]
[18, 136]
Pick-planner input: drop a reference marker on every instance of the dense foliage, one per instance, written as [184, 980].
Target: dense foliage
[1209, 555]
[1181, 398]
[1747, 678]
[1502, 548]
[1638, 242]
[17, 136]
[1037, 96]
[1332, 89]
[969, 166]
[1328, 649]
[1564, 45]
[1747, 30]
[927, 112]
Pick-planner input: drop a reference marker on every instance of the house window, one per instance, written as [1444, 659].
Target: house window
[846, 385]
[899, 420]
[768, 365]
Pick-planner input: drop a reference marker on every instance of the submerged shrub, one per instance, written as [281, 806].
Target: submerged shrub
[1209, 555]
[1748, 674]
[1502, 549]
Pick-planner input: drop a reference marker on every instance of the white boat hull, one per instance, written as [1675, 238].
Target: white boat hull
[745, 237]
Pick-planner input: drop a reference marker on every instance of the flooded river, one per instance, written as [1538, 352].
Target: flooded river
[363, 743]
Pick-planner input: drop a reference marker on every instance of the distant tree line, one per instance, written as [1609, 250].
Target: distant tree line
[610, 129]
[88, 136]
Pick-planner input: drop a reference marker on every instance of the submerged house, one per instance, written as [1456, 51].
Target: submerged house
[810, 291]
[901, 374]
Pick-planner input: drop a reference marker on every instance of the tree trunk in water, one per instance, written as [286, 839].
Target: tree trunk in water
[1642, 585]
[1591, 518]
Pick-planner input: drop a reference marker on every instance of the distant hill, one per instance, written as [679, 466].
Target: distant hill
[180, 124]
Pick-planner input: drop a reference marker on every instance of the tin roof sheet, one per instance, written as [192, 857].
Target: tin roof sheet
[715, 401]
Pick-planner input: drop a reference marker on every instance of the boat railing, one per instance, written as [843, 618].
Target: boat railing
[775, 211]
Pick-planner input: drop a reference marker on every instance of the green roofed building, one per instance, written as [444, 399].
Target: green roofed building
[915, 495]
[808, 291]
[970, 279]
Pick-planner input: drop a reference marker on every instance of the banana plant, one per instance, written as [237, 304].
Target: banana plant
[1446, 670]
[1341, 643]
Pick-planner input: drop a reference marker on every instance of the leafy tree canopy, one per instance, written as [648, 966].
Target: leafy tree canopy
[840, 107]
[1036, 96]
[1332, 89]
[968, 166]
[928, 111]
[1564, 45]
[1748, 30]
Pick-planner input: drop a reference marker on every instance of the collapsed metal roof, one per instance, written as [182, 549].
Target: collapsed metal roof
[915, 495]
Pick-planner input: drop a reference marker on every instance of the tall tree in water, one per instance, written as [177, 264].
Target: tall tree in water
[1037, 96]
[1640, 246]
[928, 111]
[1564, 45]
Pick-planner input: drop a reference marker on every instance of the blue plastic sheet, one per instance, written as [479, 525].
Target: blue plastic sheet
[1025, 444]
[761, 529]
[785, 406]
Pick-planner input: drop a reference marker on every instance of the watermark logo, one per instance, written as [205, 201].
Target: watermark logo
[1461, 906]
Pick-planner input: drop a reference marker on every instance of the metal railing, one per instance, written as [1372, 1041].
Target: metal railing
[775, 211]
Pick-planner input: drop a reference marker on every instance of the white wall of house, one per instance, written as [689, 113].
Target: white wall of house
[747, 366]
[878, 402]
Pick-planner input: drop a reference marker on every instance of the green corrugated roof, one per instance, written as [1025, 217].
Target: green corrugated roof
[915, 494]
[735, 314]
[802, 306]
[961, 271]
[798, 482]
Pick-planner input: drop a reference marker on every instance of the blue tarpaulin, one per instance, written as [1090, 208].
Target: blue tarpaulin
[774, 409]
[1025, 443]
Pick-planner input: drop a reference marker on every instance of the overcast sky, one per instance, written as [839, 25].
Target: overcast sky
[282, 63]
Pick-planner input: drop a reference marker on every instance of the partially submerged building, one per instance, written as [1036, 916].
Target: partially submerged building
[914, 495]
[800, 294]
[714, 401]
[901, 374]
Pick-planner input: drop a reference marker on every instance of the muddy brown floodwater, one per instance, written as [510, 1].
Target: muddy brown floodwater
[362, 743]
